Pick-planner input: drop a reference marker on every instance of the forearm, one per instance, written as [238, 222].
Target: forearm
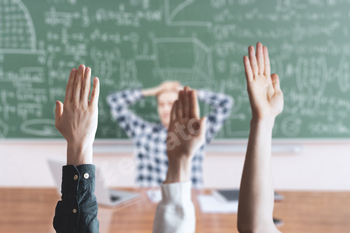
[77, 211]
[256, 198]
[179, 170]
[119, 103]
[149, 91]
[123, 99]
[168, 85]
[216, 100]
[79, 154]
[175, 213]
[221, 105]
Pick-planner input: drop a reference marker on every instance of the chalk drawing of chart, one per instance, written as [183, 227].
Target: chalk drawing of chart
[344, 75]
[187, 60]
[40, 127]
[173, 8]
[4, 129]
[16, 25]
[18, 38]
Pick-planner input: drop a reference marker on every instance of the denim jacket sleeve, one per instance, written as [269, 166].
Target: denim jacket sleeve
[77, 211]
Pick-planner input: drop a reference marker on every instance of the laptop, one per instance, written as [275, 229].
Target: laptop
[104, 196]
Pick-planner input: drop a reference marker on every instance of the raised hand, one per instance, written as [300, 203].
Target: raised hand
[265, 95]
[77, 118]
[256, 198]
[186, 134]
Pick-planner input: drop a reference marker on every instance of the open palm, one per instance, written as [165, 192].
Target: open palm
[265, 94]
[186, 130]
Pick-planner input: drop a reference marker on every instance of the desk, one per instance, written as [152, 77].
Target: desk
[32, 210]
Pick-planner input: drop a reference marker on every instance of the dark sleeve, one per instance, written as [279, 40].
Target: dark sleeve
[119, 103]
[221, 108]
[77, 211]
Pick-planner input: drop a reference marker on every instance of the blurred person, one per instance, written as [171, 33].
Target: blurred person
[149, 138]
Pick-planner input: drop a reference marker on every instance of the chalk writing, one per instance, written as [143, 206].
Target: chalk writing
[139, 43]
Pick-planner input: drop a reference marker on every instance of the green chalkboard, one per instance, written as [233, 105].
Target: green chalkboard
[141, 43]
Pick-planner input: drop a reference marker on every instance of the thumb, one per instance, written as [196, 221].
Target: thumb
[276, 82]
[58, 113]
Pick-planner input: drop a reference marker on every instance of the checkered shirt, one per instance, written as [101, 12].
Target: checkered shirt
[149, 138]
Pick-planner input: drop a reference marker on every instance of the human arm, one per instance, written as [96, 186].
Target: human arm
[175, 213]
[119, 103]
[76, 119]
[221, 105]
[167, 85]
[256, 198]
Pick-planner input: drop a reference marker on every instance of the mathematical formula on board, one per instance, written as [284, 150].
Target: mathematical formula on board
[141, 43]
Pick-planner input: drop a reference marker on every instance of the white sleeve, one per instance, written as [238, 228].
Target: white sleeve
[175, 212]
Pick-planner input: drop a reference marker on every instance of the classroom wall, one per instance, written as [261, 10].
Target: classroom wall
[318, 167]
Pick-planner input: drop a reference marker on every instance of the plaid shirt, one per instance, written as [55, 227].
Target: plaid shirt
[149, 139]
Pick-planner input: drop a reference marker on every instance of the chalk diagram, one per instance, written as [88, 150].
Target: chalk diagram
[343, 74]
[291, 126]
[4, 129]
[16, 24]
[40, 127]
[311, 74]
[18, 37]
[187, 60]
[172, 9]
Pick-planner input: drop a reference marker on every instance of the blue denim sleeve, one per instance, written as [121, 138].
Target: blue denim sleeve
[77, 211]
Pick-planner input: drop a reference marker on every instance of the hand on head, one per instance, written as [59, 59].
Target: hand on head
[165, 86]
[186, 134]
[76, 119]
[169, 85]
[265, 95]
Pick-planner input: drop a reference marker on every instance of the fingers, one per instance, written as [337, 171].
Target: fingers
[267, 71]
[173, 112]
[58, 113]
[276, 82]
[248, 70]
[95, 92]
[186, 102]
[260, 58]
[179, 112]
[194, 107]
[70, 86]
[86, 86]
[259, 63]
[253, 62]
[78, 84]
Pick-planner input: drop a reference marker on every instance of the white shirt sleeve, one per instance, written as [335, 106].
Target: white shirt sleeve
[175, 212]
